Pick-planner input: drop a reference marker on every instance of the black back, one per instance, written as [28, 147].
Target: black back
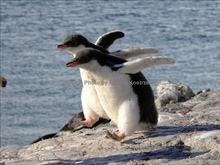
[146, 102]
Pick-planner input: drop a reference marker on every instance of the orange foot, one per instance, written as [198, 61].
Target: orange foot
[117, 135]
[88, 122]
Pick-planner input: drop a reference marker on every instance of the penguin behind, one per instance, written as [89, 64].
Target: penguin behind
[76, 42]
[127, 105]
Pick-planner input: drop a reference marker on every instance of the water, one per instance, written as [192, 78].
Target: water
[42, 94]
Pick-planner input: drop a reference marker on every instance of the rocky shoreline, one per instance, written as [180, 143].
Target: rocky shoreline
[188, 132]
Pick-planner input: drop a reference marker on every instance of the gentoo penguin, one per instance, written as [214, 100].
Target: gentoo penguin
[3, 82]
[76, 42]
[128, 98]
[73, 44]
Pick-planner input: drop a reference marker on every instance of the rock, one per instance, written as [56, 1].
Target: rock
[169, 92]
[3, 82]
[73, 125]
[188, 132]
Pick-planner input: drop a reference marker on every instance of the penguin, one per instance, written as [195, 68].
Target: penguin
[76, 42]
[127, 99]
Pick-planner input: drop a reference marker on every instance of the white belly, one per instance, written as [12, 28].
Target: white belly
[89, 97]
[117, 97]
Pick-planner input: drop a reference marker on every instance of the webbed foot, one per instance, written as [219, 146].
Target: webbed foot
[117, 135]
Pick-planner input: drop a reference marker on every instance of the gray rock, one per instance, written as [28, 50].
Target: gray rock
[169, 92]
[188, 132]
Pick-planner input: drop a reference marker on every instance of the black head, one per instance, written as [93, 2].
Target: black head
[89, 54]
[85, 56]
[74, 40]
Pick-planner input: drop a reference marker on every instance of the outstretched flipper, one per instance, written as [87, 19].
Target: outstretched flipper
[137, 65]
[132, 52]
[107, 39]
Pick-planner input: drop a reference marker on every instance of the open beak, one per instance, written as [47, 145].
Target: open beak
[72, 64]
[61, 46]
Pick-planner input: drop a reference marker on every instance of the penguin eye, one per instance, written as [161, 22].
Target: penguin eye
[74, 43]
[84, 59]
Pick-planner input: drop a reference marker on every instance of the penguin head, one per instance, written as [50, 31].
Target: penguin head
[85, 58]
[74, 43]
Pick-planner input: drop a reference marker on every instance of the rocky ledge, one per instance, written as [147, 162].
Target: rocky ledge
[188, 132]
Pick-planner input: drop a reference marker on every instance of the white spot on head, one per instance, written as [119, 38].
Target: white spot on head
[92, 65]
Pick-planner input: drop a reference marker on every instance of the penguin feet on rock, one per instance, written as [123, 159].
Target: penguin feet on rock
[116, 135]
[88, 122]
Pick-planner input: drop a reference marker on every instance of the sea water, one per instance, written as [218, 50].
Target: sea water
[42, 94]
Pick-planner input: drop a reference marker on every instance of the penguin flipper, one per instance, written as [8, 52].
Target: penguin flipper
[137, 65]
[132, 52]
[107, 39]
